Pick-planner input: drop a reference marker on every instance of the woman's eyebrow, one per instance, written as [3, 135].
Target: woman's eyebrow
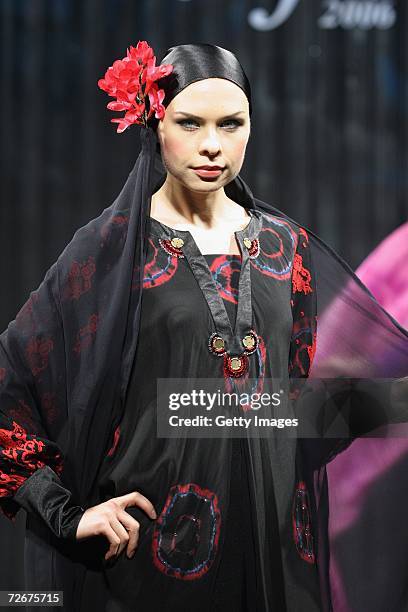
[191, 116]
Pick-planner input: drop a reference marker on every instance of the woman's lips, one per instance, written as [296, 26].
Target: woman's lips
[207, 173]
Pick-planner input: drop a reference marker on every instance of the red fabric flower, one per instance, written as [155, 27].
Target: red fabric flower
[132, 81]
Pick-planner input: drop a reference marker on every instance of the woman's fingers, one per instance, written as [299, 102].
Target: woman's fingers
[133, 528]
[121, 532]
[137, 499]
[113, 540]
[111, 520]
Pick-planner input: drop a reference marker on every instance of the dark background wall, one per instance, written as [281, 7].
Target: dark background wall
[329, 134]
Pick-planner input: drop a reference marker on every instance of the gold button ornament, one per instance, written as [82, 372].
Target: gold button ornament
[173, 246]
[177, 243]
[234, 365]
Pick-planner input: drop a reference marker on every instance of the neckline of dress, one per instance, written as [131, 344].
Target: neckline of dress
[238, 255]
[163, 228]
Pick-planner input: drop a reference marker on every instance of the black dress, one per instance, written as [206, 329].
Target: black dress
[173, 304]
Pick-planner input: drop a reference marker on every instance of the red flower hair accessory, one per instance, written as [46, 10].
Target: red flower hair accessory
[132, 81]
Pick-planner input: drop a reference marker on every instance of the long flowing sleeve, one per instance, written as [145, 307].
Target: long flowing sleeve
[304, 310]
[344, 406]
[311, 398]
[33, 413]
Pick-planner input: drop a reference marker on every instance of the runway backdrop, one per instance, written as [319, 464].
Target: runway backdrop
[329, 130]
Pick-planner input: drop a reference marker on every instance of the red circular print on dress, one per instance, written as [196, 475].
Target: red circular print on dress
[160, 266]
[277, 243]
[225, 273]
[186, 534]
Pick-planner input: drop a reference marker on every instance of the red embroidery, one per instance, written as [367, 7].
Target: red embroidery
[19, 449]
[22, 454]
[79, 279]
[13, 482]
[8, 437]
[22, 449]
[86, 334]
[301, 277]
[37, 353]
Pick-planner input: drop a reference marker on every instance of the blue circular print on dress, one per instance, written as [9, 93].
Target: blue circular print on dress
[186, 534]
[277, 241]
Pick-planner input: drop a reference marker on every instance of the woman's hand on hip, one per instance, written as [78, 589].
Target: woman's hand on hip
[111, 520]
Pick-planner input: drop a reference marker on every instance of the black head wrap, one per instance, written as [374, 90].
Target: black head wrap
[197, 62]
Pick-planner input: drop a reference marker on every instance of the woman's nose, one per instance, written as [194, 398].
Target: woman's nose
[210, 142]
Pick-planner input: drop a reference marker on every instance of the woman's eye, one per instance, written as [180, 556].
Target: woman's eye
[231, 123]
[190, 124]
[187, 123]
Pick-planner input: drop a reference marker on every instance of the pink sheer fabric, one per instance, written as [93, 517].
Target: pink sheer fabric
[368, 474]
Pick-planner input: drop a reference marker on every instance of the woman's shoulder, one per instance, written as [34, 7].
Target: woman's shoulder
[276, 220]
[104, 232]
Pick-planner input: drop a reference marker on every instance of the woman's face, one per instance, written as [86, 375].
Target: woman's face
[206, 124]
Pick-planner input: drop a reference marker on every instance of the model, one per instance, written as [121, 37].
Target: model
[186, 277]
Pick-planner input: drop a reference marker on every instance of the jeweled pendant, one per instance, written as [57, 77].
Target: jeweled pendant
[216, 344]
[236, 365]
[250, 342]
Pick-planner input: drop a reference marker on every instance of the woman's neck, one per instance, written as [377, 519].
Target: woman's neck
[174, 204]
